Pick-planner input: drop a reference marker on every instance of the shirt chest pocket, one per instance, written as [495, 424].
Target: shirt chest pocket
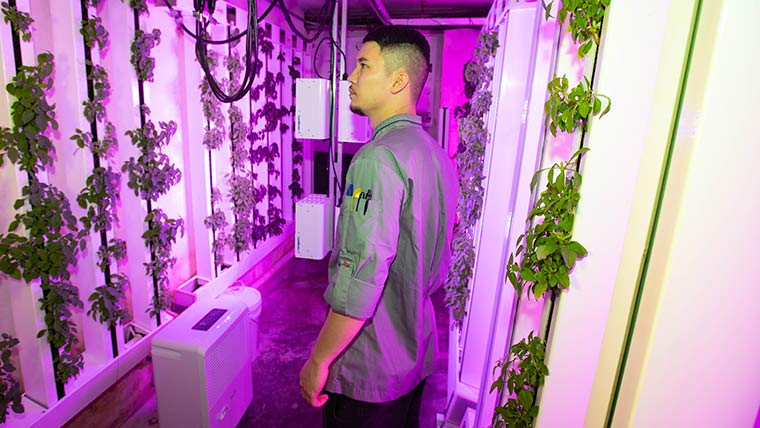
[361, 224]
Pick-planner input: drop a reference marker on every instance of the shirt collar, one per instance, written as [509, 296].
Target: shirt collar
[395, 122]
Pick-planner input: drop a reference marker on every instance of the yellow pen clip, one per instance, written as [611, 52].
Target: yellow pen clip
[356, 195]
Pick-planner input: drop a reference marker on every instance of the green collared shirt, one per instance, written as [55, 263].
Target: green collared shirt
[392, 250]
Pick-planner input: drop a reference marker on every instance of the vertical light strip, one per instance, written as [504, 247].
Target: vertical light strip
[657, 212]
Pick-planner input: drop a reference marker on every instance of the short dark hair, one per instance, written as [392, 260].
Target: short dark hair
[404, 46]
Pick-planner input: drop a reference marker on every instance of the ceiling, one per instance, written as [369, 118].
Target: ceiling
[360, 12]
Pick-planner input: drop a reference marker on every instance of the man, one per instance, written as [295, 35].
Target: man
[378, 345]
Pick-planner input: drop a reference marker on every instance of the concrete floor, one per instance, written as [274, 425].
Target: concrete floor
[292, 314]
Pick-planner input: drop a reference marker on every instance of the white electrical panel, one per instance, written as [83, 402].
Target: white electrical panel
[314, 227]
[312, 109]
[352, 128]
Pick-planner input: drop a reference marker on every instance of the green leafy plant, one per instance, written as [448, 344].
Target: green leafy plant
[102, 188]
[213, 136]
[522, 373]
[99, 147]
[151, 175]
[106, 302]
[48, 248]
[99, 199]
[10, 390]
[139, 6]
[20, 21]
[240, 179]
[213, 139]
[473, 137]
[161, 235]
[585, 24]
[94, 32]
[94, 109]
[140, 59]
[26, 143]
[546, 250]
[567, 109]
[271, 222]
[217, 222]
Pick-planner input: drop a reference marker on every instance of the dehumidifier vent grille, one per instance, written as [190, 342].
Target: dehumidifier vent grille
[225, 358]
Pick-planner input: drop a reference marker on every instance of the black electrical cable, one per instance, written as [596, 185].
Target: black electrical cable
[322, 24]
[201, 53]
[314, 58]
[221, 42]
[252, 43]
[316, 54]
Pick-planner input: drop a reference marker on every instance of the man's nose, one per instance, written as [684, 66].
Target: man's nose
[352, 76]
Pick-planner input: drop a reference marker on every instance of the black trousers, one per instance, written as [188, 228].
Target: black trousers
[344, 412]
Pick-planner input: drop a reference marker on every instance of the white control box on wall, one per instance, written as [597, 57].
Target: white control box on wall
[352, 128]
[314, 227]
[313, 109]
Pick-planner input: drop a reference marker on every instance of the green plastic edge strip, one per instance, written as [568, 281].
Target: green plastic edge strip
[657, 212]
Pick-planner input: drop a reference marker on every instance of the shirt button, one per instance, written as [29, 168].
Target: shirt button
[346, 264]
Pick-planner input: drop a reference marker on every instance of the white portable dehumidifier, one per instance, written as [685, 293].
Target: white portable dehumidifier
[202, 366]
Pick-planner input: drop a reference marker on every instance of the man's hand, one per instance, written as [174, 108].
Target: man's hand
[312, 379]
[337, 332]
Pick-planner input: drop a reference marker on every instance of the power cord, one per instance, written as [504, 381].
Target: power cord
[252, 41]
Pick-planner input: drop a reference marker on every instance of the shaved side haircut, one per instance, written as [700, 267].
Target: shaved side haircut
[404, 47]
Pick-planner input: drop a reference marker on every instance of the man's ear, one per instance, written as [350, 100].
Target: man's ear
[400, 80]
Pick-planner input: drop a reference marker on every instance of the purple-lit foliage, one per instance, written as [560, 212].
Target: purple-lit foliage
[48, 247]
[94, 32]
[217, 222]
[95, 109]
[151, 175]
[213, 138]
[107, 301]
[20, 21]
[10, 390]
[139, 6]
[99, 199]
[140, 58]
[260, 148]
[473, 138]
[100, 147]
[161, 235]
[239, 180]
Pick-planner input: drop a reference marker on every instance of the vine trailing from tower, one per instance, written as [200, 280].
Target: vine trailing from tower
[267, 151]
[239, 179]
[546, 253]
[473, 137]
[213, 139]
[101, 193]
[44, 239]
[152, 174]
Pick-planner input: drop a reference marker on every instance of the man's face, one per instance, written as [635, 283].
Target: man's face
[370, 83]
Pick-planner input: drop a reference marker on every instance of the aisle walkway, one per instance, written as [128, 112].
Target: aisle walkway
[292, 314]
